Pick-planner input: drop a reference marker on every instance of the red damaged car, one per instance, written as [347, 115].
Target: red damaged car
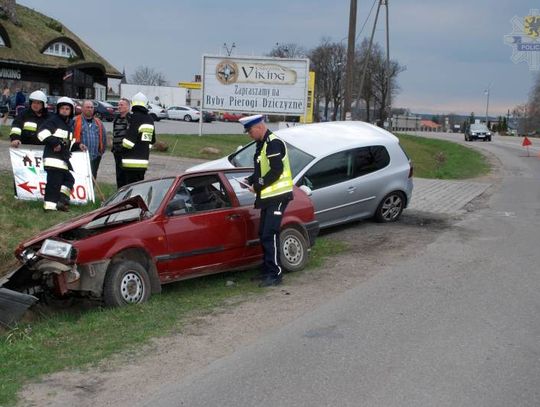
[155, 232]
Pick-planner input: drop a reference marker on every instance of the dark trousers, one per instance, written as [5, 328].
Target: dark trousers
[120, 174]
[132, 175]
[269, 227]
[94, 165]
[56, 178]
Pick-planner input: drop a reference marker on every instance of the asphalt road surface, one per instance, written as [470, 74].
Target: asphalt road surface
[454, 324]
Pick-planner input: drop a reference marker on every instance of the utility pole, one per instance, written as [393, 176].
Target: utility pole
[366, 62]
[350, 62]
[388, 97]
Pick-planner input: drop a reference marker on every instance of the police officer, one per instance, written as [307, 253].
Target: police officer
[57, 135]
[139, 138]
[25, 125]
[272, 182]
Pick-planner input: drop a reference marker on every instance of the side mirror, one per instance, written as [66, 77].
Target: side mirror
[175, 206]
[306, 189]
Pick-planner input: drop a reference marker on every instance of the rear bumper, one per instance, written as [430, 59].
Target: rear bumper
[312, 229]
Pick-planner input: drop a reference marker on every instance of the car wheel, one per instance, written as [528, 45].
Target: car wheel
[391, 207]
[153, 116]
[187, 118]
[293, 250]
[489, 139]
[126, 282]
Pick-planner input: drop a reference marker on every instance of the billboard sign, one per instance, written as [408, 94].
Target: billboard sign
[255, 85]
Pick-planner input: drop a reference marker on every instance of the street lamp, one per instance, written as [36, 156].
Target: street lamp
[486, 92]
[229, 50]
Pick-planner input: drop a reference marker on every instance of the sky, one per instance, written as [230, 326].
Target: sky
[452, 50]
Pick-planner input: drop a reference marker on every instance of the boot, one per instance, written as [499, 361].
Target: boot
[63, 203]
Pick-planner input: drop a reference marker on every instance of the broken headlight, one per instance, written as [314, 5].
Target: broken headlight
[55, 248]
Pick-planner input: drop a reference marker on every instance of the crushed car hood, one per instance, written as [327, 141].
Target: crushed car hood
[131, 203]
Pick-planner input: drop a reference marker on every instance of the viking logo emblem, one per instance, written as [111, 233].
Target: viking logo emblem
[531, 27]
[227, 72]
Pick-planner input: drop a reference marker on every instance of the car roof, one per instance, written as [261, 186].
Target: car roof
[320, 138]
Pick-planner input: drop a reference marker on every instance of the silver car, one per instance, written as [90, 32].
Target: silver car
[352, 170]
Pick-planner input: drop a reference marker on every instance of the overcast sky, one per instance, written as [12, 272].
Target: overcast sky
[452, 49]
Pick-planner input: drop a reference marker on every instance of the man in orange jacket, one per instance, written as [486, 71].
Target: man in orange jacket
[90, 131]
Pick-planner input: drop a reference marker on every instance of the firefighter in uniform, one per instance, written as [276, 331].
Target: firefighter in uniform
[57, 135]
[272, 183]
[25, 125]
[139, 138]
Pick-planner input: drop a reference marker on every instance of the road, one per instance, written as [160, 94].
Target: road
[456, 323]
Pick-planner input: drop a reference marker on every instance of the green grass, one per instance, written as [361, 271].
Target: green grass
[443, 159]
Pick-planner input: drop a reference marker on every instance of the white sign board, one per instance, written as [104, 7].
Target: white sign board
[31, 178]
[255, 85]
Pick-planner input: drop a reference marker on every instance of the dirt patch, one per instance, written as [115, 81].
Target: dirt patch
[128, 378]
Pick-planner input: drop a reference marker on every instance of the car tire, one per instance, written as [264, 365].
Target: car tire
[153, 116]
[294, 251]
[187, 118]
[391, 207]
[489, 139]
[126, 282]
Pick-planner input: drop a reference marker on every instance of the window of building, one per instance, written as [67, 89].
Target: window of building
[60, 49]
[2, 43]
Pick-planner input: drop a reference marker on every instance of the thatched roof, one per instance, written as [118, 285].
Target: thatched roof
[35, 33]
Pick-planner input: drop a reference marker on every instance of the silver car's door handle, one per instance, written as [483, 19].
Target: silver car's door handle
[350, 190]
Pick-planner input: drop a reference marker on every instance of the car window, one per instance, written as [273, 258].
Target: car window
[203, 193]
[152, 192]
[330, 170]
[244, 195]
[298, 159]
[370, 159]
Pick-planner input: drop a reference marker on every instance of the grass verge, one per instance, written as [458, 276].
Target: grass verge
[442, 159]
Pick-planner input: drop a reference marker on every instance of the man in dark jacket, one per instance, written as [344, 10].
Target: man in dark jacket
[25, 125]
[140, 137]
[57, 135]
[272, 182]
[120, 128]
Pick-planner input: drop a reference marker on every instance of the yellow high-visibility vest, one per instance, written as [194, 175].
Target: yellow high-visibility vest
[284, 183]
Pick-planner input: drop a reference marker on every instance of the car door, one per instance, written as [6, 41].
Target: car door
[333, 191]
[173, 113]
[208, 234]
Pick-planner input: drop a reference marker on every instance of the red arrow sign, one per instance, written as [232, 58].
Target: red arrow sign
[526, 142]
[27, 187]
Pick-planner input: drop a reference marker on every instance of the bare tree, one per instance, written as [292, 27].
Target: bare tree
[289, 50]
[380, 84]
[9, 10]
[328, 62]
[145, 75]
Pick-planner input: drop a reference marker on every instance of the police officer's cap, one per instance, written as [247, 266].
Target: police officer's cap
[249, 121]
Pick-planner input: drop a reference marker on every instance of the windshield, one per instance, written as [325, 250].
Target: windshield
[478, 127]
[297, 158]
[152, 192]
